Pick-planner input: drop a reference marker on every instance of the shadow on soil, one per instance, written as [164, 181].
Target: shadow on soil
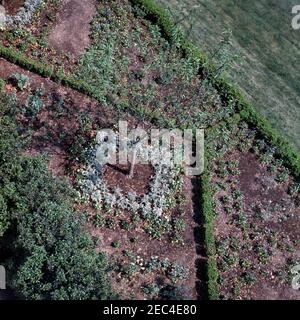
[200, 264]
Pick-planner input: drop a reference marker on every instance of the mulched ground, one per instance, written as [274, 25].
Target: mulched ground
[71, 30]
[118, 175]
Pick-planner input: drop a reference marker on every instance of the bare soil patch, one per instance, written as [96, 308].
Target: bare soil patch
[13, 6]
[71, 30]
[117, 175]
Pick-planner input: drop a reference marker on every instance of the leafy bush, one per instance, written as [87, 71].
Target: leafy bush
[152, 289]
[22, 81]
[34, 104]
[51, 257]
[171, 292]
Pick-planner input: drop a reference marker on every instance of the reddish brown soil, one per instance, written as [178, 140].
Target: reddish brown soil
[48, 127]
[259, 188]
[145, 247]
[72, 27]
[13, 6]
[55, 133]
[117, 175]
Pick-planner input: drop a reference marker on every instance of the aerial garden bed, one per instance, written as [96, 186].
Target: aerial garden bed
[128, 66]
[239, 220]
[31, 28]
[256, 216]
[143, 224]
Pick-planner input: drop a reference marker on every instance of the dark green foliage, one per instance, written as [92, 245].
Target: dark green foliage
[171, 292]
[52, 257]
[9, 144]
[34, 104]
[2, 85]
[209, 216]
[26, 63]
[225, 88]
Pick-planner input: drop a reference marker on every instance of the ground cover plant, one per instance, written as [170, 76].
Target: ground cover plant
[20, 13]
[136, 69]
[28, 29]
[65, 136]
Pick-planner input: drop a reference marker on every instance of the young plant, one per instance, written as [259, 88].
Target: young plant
[21, 80]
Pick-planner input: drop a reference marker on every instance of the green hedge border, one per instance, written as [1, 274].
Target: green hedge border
[48, 72]
[206, 195]
[11, 55]
[58, 76]
[158, 15]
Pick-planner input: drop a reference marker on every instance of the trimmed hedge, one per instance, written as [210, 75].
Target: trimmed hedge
[210, 245]
[58, 76]
[25, 62]
[159, 16]
[43, 70]
[229, 92]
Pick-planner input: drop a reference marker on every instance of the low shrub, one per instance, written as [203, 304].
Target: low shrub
[49, 254]
[24, 15]
[22, 81]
